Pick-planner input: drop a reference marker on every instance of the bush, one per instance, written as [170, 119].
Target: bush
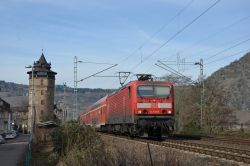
[193, 128]
[79, 145]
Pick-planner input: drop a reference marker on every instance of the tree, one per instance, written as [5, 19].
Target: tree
[218, 116]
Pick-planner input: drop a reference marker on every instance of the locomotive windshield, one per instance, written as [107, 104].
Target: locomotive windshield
[153, 91]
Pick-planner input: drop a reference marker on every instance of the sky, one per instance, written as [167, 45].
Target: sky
[134, 34]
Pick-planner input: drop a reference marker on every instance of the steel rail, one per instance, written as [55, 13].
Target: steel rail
[214, 147]
[229, 140]
[214, 151]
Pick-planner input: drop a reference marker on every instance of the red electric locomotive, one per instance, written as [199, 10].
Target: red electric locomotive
[140, 108]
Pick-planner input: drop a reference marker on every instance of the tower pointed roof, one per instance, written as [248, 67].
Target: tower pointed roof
[42, 68]
[42, 63]
[42, 59]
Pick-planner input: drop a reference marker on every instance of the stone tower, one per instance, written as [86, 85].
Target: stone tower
[44, 87]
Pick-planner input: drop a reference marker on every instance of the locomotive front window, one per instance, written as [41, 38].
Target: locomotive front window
[162, 91]
[153, 91]
[145, 91]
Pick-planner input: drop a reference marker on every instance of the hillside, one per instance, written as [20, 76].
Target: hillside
[86, 97]
[234, 81]
[17, 95]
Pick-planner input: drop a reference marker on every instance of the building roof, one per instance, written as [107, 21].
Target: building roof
[42, 60]
[17, 101]
[4, 106]
[42, 66]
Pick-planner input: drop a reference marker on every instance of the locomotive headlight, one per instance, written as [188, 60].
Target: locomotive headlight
[139, 111]
[169, 111]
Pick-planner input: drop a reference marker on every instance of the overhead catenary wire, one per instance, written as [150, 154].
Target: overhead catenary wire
[159, 30]
[168, 70]
[218, 32]
[176, 34]
[229, 48]
[226, 43]
[193, 82]
[108, 76]
[97, 63]
[220, 59]
[174, 70]
[97, 73]
[220, 45]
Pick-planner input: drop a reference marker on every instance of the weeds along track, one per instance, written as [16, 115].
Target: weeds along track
[237, 141]
[224, 152]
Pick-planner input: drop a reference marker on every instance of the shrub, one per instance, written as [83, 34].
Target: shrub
[79, 145]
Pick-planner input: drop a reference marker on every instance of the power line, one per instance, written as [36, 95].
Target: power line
[173, 71]
[97, 63]
[229, 48]
[170, 21]
[223, 44]
[219, 31]
[226, 43]
[97, 73]
[160, 29]
[220, 59]
[168, 70]
[108, 76]
[177, 33]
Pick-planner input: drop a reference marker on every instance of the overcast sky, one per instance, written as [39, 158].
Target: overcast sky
[112, 31]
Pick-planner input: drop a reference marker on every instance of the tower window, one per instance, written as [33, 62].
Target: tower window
[42, 92]
[41, 82]
[42, 102]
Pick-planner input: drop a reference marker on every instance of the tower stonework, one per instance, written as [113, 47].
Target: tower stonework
[44, 87]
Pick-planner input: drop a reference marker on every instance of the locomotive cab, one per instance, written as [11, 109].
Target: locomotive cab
[154, 108]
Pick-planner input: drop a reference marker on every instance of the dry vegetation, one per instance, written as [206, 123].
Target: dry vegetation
[128, 153]
[77, 145]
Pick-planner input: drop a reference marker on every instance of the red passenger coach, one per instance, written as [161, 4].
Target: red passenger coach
[140, 108]
[96, 114]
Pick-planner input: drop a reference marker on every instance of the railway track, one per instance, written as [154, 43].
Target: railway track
[213, 147]
[229, 140]
[229, 153]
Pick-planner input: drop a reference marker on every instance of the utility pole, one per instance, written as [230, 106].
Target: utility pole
[64, 103]
[75, 88]
[75, 112]
[202, 89]
[32, 102]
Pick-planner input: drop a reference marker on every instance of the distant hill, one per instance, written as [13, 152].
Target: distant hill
[13, 89]
[17, 95]
[86, 96]
[234, 81]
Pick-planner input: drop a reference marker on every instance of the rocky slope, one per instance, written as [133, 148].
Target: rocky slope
[234, 81]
